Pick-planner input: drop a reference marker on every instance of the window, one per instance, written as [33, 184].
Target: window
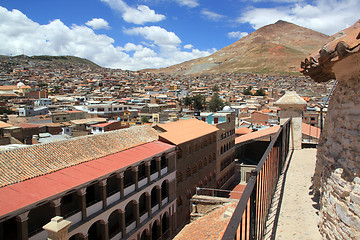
[216, 120]
[91, 109]
[109, 109]
[179, 153]
[188, 172]
[101, 109]
[57, 118]
[179, 201]
[179, 177]
[194, 169]
[64, 118]
[115, 109]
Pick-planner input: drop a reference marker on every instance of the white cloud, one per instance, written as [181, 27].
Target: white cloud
[156, 34]
[326, 16]
[188, 3]
[98, 23]
[18, 33]
[211, 15]
[140, 15]
[188, 46]
[237, 34]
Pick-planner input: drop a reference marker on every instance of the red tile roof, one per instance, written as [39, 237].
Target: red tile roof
[210, 227]
[319, 64]
[38, 189]
[310, 130]
[40, 159]
[257, 134]
[243, 130]
[102, 124]
[185, 130]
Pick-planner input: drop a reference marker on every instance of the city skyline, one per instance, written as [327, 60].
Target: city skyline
[150, 34]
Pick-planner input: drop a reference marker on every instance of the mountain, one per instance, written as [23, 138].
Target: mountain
[276, 48]
[68, 60]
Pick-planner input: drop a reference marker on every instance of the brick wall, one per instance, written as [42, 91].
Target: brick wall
[337, 173]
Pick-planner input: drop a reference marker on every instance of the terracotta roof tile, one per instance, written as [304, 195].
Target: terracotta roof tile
[28, 193]
[21, 164]
[211, 226]
[185, 130]
[309, 130]
[257, 134]
[319, 64]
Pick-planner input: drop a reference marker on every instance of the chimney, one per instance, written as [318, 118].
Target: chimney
[57, 229]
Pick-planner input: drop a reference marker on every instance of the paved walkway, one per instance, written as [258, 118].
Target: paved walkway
[298, 217]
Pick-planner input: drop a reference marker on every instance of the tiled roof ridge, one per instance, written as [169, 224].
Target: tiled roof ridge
[319, 64]
[21, 164]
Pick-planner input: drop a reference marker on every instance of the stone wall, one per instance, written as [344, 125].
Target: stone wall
[337, 170]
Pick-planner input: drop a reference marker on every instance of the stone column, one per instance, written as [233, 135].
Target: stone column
[56, 205]
[120, 177]
[158, 195]
[81, 194]
[57, 229]
[137, 214]
[104, 228]
[158, 165]
[122, 223]
[102, 185]
[148, 203]
[147, 170]
[22, 226]
[292, 106]
[135, 177]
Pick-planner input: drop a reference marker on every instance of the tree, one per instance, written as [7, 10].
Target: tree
[198, 102]
[260, 92]
[144, 119]
[247, 91]
[188, 101]
[215, 88]
[216, 103]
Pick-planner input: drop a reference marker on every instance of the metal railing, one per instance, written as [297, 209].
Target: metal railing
[249, 218]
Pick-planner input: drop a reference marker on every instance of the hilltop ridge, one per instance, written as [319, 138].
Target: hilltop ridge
[275, 48]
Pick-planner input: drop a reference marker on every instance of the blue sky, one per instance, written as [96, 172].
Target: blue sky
[138, 34]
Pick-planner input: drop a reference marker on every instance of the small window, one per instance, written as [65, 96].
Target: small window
[91, 109]
[109, 109]
[188, 172]
[194, 169]
[115, 109]
[57, 118]
[179, 177]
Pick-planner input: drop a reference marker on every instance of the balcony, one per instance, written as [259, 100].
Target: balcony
[272, 208]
